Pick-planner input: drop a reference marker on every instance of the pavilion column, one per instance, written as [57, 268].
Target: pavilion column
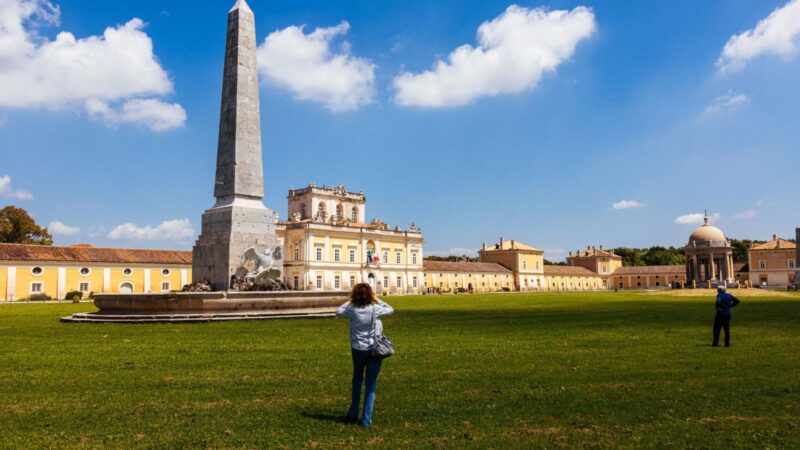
[713, 266]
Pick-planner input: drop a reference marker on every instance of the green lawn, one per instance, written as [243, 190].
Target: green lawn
[482, 371]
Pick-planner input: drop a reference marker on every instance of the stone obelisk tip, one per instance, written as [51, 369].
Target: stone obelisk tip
[241, 4]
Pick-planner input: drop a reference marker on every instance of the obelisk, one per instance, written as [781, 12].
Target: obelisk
[238, 220]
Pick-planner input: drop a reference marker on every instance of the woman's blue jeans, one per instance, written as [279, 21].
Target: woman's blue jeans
[363, 362]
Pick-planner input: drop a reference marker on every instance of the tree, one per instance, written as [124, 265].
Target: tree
[740, 247]
[18, 227]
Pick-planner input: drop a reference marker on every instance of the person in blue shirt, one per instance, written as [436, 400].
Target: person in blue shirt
[724, 304]
[364, 310]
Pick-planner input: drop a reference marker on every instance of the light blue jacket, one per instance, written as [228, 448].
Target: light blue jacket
[361, 322]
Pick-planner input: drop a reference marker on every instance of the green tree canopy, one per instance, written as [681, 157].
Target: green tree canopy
[18, 227]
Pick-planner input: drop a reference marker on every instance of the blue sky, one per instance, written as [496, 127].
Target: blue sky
[639, 102]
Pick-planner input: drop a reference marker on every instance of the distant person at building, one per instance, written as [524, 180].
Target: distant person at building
[364, 310]
[725, 302]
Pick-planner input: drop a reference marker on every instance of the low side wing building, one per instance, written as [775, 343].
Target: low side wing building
[464, 276]
[37, 270]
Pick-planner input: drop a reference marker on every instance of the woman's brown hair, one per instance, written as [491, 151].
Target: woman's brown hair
[362, 295]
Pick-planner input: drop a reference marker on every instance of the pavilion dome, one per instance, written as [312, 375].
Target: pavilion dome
[707, 235]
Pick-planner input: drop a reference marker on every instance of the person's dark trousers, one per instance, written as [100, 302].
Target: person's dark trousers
[722, 321]
[363, 361]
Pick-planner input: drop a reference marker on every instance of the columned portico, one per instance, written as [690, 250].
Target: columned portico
[709, 257]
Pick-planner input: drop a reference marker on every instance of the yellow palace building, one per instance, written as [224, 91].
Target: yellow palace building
[37, 270]
[327, 245]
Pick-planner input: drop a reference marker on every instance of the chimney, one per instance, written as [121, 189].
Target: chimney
[570, 253]
[774, 237]
[484, 246]
[601, 246]
[512, 243]
[501, 241]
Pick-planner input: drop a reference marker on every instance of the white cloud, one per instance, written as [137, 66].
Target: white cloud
[746, 215]
[305, 65]
[59, 229]
[760, 203]
[555, 254]
[514, 50]
[151, 113]
[7, 191]
[627, 204]
[67, 72]
[727, 102]
[695, 219]
[777, 34]
[178, 230]
[458, 251]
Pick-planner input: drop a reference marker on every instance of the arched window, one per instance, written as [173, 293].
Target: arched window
[303, 214]
[339, 212]
[321, 213]
[354, 214]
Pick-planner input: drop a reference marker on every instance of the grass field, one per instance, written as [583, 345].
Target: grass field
[482, 371]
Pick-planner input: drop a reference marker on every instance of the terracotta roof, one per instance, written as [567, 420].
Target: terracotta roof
[775, 244]
[463, 266]
[651, 270]
[510, 245]
[46, 253]
[575, 271]
[593, 253]
[741, 267]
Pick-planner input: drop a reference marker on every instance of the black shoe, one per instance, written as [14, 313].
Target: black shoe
[350, 420]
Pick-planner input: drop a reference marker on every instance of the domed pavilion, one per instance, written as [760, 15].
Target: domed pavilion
[709, 257]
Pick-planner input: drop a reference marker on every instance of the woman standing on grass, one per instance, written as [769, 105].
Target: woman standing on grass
[364, 310]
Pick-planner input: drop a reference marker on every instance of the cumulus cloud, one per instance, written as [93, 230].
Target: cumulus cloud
[727, 102]
[71, 72]
[306, 65]
[627, 204]
[8, 192]
[514, 50]
[695, 219]
[59, 229]
[177, 230]
[151, 113]
[746, 215]
[776, 35]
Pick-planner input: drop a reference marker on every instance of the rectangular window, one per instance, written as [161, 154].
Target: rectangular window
[524, 265]
[791, 264]
[397, 258]
[414, 282]
[337, 282]
[762, 264]
[296, 253]
[385, 281]
[352, 255]
[414, 258]
[537, 265]
[319, 253]
[83, 287]
[399, 281]
[165, 286]
[37, 288]
[385, 257]
[352, 280]
[605, 269]
[319, 281]
[296, 281]
[336, 253]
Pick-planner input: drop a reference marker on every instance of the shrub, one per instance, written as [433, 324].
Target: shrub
[39, 297]
[73, 295]
[506, 289]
